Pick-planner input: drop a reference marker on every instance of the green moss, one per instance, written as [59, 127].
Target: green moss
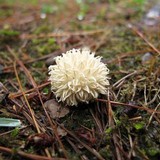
[7, 35]
[15, 132]
[139, 125]
[106, 152]
[44, 46]
[46, 90]
[153, 151]
[5, 13]
[42, 29]
[12, 2]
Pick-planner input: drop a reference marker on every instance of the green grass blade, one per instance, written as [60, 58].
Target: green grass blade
[9, 122]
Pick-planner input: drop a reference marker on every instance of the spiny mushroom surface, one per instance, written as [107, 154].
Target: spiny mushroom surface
[78, 76]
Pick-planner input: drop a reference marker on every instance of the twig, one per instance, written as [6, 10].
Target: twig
[135, 118]
[3, 134]
[141, 153]
[27, 155]
[111, 124]
[154, 98]
[102, 40]
[124, 55]
[122, 151]
[55, 53]
[131, 74]
[145, 94]
[26, 100]
[130, 105]
[142, 36]
[93, 151]
[152, 115]
[30, 109]
[16, 95]
[21, 88]
[64, 34]
[97, 121]
[132, 144]
[49, 119]
[83, 157]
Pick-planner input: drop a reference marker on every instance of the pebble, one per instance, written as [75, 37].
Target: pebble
[146, 57]
[152, 17]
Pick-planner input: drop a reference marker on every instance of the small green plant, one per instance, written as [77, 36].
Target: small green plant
[15, 132]
[83, 9]
[139, 125]
[8, 33]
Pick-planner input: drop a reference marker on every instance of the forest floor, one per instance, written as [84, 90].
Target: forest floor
[125, 124]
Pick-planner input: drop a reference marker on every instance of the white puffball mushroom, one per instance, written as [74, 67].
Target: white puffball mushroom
[78, 76]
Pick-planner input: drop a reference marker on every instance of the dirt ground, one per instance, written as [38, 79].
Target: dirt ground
[122, 125]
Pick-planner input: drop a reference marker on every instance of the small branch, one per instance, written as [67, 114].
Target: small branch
[93, 151]
[125, 77]
[154, 98]
[16, 95]
[27, 155]
[142, 36]
[130, 105]
[112, 125]
[83, 157]
[152, 115]
[63, 34]
[30, 109]
[127, 54]
[53, 124]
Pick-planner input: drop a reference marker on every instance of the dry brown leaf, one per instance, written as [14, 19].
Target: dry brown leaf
[39, 140]
[61, 132]
[56, 111]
